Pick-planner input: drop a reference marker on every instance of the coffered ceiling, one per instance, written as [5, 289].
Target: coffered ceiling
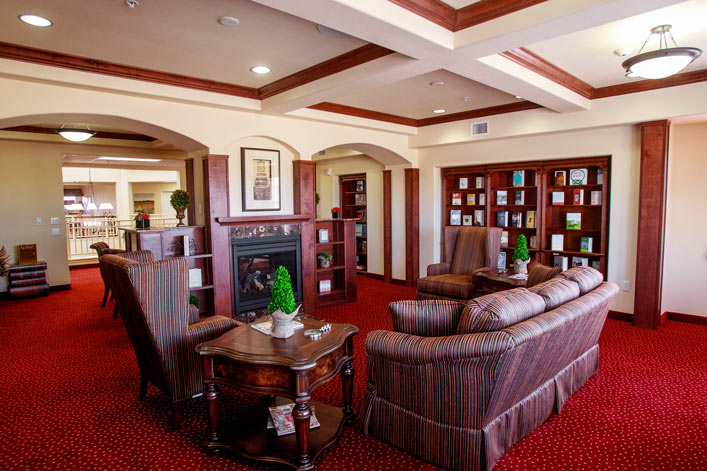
[382, 63]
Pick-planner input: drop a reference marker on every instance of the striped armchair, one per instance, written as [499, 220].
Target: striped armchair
[467, 250]
[101, 249]
[153, 297]
[458, 384]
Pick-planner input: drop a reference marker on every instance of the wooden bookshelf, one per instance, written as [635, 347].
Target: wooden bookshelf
[354, 204]
[537, 186]
[341, 272]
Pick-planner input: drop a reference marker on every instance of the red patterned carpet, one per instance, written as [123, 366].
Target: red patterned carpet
[69, 382]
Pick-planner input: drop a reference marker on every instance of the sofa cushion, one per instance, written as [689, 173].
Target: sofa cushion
[586, 277]
[556, 292]
[452, 286]
[499, 310]
[537, 273]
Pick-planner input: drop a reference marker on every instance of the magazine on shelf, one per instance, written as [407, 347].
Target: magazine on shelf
[574, 221]
[482, 199]
[478, 217]
[471, 199]
[360, 185]
[501, 197]
[560, 261]
[502, 218]
[580, 261]
[520, 197]
[533, 243]
[282, 421]
[558, 198]
[516, 219]
[518, 177]
[195, 279]
[557, 242]
[360, 199]
[456, 199]
[323, 236]
[504, 239]
[596, 264]
[455, 217]
[530, 219]
[501, 260]
[600, 176]
[467, 220]
[578, 197]
[560, 178]
[579, 176]
[266, 327]
[463, 183]
[325, 286]
[585, 244]
[479, 182]
[595, 198]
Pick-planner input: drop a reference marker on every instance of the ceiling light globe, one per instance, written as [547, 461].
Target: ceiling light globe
[662, 63]
[439, 111]
[36, 20]
[76, 135]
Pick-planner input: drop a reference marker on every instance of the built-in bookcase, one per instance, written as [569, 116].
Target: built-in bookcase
[526, 190]
[355, 206]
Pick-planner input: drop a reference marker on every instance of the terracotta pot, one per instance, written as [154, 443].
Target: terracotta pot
[282, 324]
[180, 216]
[521, 266]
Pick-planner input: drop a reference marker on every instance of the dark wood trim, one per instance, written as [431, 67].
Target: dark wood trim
[363, 113]
[376, 276]
[303, 183]
[645, 85]
[60, 287]
[189, 177]
[387, 227]
[435, 11]
[487, 10]
[216, 203]
[345, 61]
[621, 316]
[537, 64]
[99, 134]
[412, 226]
[84, 64]
[303, 176]
[651, 223]
[690, 318]
[481, 112]
[245, 220]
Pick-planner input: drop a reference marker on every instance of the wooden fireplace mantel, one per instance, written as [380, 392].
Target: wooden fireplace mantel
[255, 220]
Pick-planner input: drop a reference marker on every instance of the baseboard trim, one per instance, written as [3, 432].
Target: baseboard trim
[60, 287]
[376, 276]
[689, 318]
[621, 316]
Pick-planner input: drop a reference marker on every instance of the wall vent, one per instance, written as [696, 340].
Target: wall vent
[480, 128]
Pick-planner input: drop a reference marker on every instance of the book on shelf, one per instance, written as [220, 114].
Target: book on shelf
[596, 264]
[502, 218]
[360, 199]
[478, 217]
[504, 239]
[560, 261]
[323, 236]
[533, 242]
[266, 327]
[520, 197]
[558, 198]
[518, 177]
[283, 422]
[479, 182]
[600, 176]
[560, 178]
[361, 215]
[595, 198]
[364, 246]
[580, 261]
[467, 220]
[359, 229]
[360, 185]
[574, 221]
[463, 183]
[501, 265]
[585, 244]
[557, 242]
[516, 219]
[185, 244]
[456, 199]
[579, 176]
[195, 279]
[455, 217]
[578, 197]
[471, 199]
[324, 286]
[501, 197]
[530, 219]
[482, 198]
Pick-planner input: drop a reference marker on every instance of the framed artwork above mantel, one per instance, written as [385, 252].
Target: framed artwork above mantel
[260, 179]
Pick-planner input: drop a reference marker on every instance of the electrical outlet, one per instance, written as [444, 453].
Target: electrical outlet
[56, 231]
[626, 285]
[39, 221]
[54, 221]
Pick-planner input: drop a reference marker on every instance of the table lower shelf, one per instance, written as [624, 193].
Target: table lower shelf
[250, 438]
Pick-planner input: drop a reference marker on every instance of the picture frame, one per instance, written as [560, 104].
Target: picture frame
[260, 179]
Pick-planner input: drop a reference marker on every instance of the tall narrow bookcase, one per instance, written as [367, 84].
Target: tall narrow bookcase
[354, 206]
[336, 238]
[538, 218]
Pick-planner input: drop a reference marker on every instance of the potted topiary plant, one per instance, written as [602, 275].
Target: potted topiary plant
[324, 259]
[521, 256]
[282, 306]
[180, 200]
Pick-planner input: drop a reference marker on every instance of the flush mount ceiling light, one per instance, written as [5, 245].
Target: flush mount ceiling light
[75, 134]
[436, 83]
[228, 21]
[129, 159]
[132, 3]
[662, 62]
[35, 20]
[260, 69]
[439, 111]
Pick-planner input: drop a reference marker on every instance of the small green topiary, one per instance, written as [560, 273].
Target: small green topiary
[193, 300]
[521, 250]
[180, 199]
[282, 296]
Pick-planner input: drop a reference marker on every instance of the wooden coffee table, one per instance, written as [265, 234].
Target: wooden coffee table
[492, 281]
[248, 360]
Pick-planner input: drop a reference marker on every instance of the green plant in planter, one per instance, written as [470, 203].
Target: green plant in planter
[283, 298]
[180, 199]
[521, 250]
[324, 255]
[193, 300]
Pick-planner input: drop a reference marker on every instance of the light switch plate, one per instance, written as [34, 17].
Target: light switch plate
[626, 285]
[55, 221]
[56, 231]
[39, 221]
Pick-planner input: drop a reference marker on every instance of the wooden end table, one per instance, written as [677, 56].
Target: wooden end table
[251, 361]
[492, 281]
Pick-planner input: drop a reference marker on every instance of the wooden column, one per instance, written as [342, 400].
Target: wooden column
[189, 174]
[303, 180]
[412, 226]
[387, 229]
[216, 204]
[651, 223]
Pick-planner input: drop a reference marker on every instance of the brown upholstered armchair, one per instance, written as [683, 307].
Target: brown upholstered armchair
[101, 249]
[467, 250]
[538, 273]
[153, 297]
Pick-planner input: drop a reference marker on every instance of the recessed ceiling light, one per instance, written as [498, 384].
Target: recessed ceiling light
[260, 69]
[129, 159]
[132, 3]
[439, 111]
[228, 21]
[35, 20]
[466, 98]
[519, 97]
[436, 83]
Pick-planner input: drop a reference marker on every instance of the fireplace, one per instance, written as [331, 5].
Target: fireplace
[254, 263]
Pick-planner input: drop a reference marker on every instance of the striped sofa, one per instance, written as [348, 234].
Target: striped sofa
[458, 384]
[467, 250]
[164, 329]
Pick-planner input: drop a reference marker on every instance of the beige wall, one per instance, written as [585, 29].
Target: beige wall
[31, 187]
[621, 142]
[685, 255]
[156, 188]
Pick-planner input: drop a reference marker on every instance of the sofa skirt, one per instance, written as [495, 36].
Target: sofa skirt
[473, 449]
